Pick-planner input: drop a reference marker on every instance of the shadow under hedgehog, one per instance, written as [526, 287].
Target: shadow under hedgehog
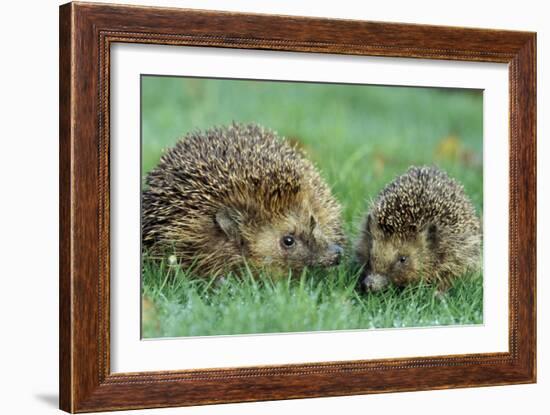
[240, 195]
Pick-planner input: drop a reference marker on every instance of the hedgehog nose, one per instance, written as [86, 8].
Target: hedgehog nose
[374, 282]
[336, 252]
[366, 283]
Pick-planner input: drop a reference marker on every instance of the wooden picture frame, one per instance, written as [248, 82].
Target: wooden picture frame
[86, 33]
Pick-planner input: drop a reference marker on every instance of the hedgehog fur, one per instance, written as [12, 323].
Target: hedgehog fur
[239, 195]
[422, 225]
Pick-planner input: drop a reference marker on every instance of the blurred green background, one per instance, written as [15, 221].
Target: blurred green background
[359, 136]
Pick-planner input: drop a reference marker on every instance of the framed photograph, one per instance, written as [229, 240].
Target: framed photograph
[258, 207]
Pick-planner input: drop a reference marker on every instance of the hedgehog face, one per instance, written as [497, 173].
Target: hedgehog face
[289, 241]
[390, 259]
[294, 242]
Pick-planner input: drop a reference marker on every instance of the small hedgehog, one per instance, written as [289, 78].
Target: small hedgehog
[237, 195]
[421, 225]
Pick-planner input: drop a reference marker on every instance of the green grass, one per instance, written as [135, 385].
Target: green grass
[360, 137]
[188, 306]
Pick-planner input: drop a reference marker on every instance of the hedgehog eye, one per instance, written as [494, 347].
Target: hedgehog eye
[288, 241]
[402, 259]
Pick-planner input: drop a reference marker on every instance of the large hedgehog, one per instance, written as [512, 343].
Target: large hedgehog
[239, 194]
[421, 225]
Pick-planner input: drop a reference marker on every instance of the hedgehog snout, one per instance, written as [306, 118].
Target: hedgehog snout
[335, 252]
[374, 282]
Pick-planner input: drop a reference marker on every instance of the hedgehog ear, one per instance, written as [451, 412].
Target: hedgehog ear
[228, 221]
[431, 234]
[370, 226]
[312, 223]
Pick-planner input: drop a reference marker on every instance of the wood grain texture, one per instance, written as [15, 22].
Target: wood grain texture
[65, 246]
[86, 33]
